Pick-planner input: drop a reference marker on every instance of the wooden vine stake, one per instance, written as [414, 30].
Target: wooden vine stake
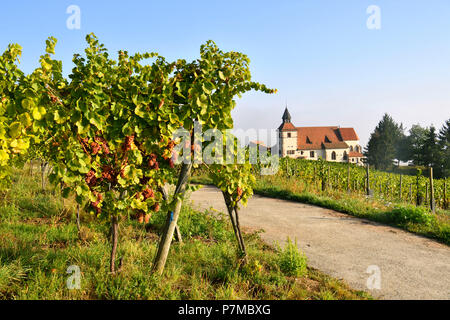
[78, 220]
[432, 200]
[115, 236]
[165, 196]
[171, 220]
[367, 180]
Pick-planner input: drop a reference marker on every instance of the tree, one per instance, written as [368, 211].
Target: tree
[381, 148]
[402, 150]
[415, 142]
[430, 150]
[444, 144]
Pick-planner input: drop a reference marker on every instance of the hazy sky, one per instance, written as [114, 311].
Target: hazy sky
[320, 55]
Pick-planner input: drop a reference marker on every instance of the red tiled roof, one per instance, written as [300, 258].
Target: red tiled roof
[335, 145]
[354, 154]
[348, 134]
[287, 126]
[312, 138]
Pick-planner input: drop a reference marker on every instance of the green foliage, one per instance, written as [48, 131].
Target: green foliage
[382, 146]
[236, 178]
[37, 244]
[444, 143]
[291, 260]
[385, 185]
[108, 131]
[410, 214]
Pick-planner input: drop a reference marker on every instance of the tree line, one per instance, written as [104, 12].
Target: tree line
[390, 143]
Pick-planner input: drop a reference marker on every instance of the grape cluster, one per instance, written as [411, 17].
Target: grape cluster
[148, 193]
[129, 140]
[95, 204]
[90, 178]
[152, 162]
[109, 174]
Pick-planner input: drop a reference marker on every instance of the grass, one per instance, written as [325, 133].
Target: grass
[39, 241]
[408, 217]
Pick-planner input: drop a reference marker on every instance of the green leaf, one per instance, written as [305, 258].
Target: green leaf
[139, 112]
[15, 129]
[28, 104]
[4, 156]
[37, 115]
[25, 119]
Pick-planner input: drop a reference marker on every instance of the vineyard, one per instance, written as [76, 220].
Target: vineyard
[105, 138]
[106, 135]
[321, 175]
[401, 200]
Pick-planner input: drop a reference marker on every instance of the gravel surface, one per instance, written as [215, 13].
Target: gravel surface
[410, 266]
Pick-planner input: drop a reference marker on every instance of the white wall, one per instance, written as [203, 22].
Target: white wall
[354, 144]
[288, 143]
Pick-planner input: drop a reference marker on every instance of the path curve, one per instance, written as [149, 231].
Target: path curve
[411, 266]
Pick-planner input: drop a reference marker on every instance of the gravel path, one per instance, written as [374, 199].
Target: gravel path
[410, 266]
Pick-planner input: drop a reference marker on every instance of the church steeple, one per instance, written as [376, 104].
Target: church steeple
[286, 116]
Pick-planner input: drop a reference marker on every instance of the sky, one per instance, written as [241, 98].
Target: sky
[327, 65]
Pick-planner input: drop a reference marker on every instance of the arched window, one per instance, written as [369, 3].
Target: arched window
[345, 156]
[351, 148]
[357, 148]
[333, 155]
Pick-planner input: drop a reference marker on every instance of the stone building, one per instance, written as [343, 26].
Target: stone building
[331, 143]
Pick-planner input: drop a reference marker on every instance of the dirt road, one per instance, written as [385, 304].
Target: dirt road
[410, 266]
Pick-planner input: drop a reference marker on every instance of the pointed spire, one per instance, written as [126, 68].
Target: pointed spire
[286, 115]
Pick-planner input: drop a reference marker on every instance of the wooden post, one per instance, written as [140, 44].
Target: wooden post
[367, 180]
[432, 203]
[78, 219]
[417, 192]
[43, 166]
[171, 220]
[165, 197]
[115, 235]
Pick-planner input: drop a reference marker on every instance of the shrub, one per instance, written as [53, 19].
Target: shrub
[410, 213]
[291, 260]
